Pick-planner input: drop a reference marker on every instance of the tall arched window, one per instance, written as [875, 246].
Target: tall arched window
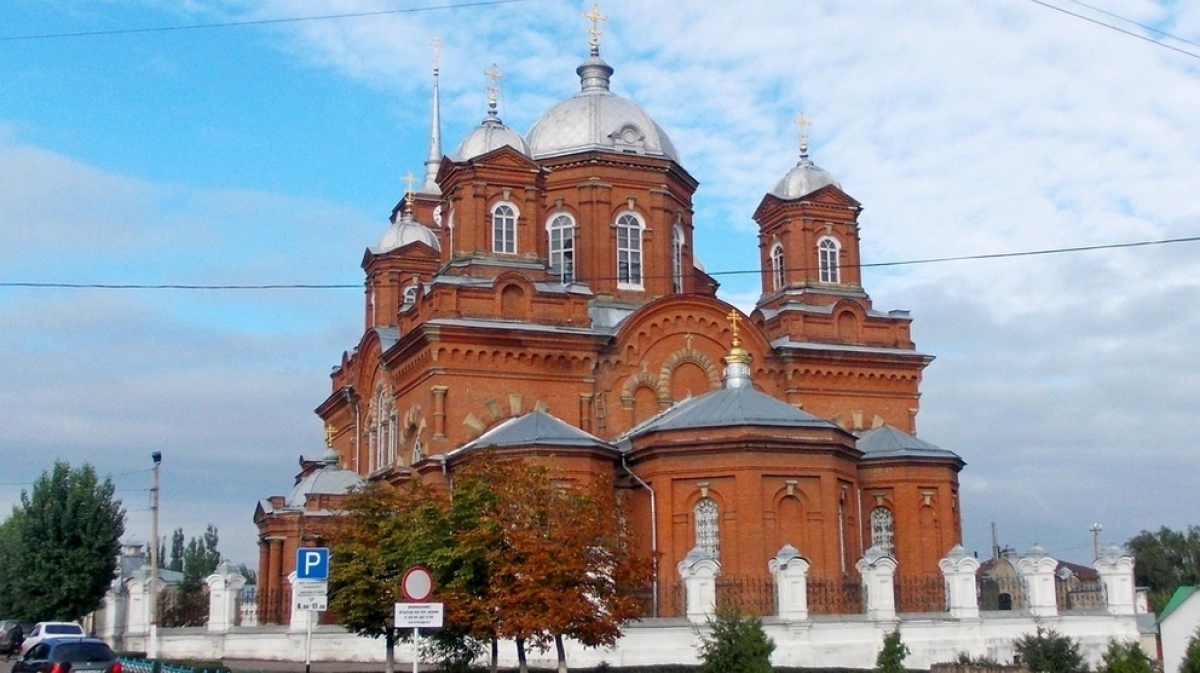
[504, 228]
[383, 431]
[883, 530]
[629, 251]
[708, 531]
[410, 295]
[827, 260]
[677, 259]
[777, 279]
[562, 247]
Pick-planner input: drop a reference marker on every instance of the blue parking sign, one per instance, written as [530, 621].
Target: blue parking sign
[312, 563]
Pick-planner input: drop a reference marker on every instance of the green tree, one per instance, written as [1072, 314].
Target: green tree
[10, 555]
[70, 528]
[1164, 561]
[1191, 660]
[187, 603]
[1048, 651]
[1125, 658]
[735, 643]
[201, 557]
[891, 657]
[177, 546]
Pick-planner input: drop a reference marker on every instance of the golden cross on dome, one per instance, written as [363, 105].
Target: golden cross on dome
[437, 52]
[408, 194]
[734, 319]
[595, 17]
[330, 433]
[493, 89]
[802, 123]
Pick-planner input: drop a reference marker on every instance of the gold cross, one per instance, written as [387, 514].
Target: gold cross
[408, 195]
[734, 319]
[330, 433]
[493, 89]
[437, 52]
[803, 124]
[595, 17]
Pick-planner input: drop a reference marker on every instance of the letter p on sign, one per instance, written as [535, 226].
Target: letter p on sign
[312, 563]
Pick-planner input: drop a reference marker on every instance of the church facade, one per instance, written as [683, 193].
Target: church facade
[541, 294]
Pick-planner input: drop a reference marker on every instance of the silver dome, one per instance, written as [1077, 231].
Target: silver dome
[804, 179]
[328, 480]
[405, 230]
[490, 135]
[597, 119]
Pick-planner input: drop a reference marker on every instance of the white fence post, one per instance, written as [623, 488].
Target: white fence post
[959, 569]
[878, 571]
[224, 587]
[699, 570]
[1037, 569]
[790, 571]
[1115, 566]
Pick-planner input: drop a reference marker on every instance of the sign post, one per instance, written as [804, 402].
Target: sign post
[417, 586]
[311, 591]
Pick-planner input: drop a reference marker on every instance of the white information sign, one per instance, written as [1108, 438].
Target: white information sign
[418, 615]
[310, 588]
[312, 603]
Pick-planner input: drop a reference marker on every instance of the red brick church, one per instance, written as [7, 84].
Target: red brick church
[541, 294]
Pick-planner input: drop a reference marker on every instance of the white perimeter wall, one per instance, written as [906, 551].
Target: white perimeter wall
[851, 641]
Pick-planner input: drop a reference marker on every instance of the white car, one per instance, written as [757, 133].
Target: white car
[45, 630]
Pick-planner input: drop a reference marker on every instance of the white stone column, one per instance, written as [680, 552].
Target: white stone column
[699, 571]
[959, 568]
[1037, 570]
[790, 571]
[224, 586]
[138, 612]
[878, 571]
[299, 618]
[1115, 566]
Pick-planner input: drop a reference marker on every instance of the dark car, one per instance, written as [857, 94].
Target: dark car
[68, 655]
[8, 630]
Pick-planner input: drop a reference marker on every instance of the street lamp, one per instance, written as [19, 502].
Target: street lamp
[152, 647]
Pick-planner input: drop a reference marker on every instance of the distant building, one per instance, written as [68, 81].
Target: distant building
[541, 294]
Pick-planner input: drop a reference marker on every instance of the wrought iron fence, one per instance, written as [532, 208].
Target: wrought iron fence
[920, 593]
[674, 603]
[1079, 595]
[1000, 593]
[838, 596]
[274, 607]
[247, 614]
[750, 595]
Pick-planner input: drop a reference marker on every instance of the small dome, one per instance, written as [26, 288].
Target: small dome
[405, 230]
[328, 480]
[490, 135]
[597, 119]
[803, 180]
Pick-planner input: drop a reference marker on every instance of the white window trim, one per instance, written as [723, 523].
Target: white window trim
[408, 296]
[834, 270]
[677, 244]
[883, 530]
[492, 224]
[573, 228]
[708, 531]
[641, 258]
[777, 267]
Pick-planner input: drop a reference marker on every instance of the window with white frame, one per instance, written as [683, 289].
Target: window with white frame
[777, 279]
[629, 251]
[708, 531]
[410, 295]
[883, 530]
[827, 260]
[504, 228]
[383, 433]
[562, 247]
[677, 259]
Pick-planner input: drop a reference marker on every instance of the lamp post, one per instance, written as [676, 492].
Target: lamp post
[152, 646]
[1096, 528]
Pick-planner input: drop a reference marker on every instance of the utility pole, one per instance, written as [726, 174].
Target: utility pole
[1096, 528]
[152, 646]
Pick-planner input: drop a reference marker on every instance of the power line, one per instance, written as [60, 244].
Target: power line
[254, 22]
[1118, 28]
[1139, 25]
[735, 272]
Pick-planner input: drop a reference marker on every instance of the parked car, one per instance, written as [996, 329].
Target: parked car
[68, 655]
[7, 631]
[44, 630]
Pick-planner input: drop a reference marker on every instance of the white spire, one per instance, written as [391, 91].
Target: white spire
[435, 132]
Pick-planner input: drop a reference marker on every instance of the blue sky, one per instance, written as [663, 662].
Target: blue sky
[272, 153]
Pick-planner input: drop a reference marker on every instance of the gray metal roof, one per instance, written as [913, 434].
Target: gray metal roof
[888, 442]
[785, 343]
[803, 180]
[329, 480]
[729, 407]
[536, 428]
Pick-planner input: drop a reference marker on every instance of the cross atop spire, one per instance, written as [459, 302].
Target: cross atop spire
[802, 124]
[437, 53]
[493, 88]
[330, 433]
[435, 128]
[596, 18]
[734, 319]
[408, 194]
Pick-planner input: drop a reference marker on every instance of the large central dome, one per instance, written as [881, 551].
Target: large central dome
[598, 119]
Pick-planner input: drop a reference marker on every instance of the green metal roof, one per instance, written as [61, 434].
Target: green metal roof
[1181, 595]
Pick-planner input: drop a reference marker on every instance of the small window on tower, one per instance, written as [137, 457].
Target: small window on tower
[677, 259]
[827, 260]
[562, 247]
[777, 279]
[410, 295]
[504, 228]
[629, 252]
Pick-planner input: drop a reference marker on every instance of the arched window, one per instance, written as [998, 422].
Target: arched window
[777, 279]
[410, 295]
[562, 247]
[883, 530]
[708, 532]
[827, 260]
[383, 431]
[504, 228]
[677, 259]
[629, 251]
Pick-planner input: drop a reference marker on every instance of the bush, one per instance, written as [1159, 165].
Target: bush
[1125, 658]
[1048, 651]
[735, 644]
[965, 659]
[891, 657]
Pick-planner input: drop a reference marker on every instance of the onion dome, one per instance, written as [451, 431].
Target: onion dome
[405, 230]
[490, 135]
[597, 119]
[806, 177]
